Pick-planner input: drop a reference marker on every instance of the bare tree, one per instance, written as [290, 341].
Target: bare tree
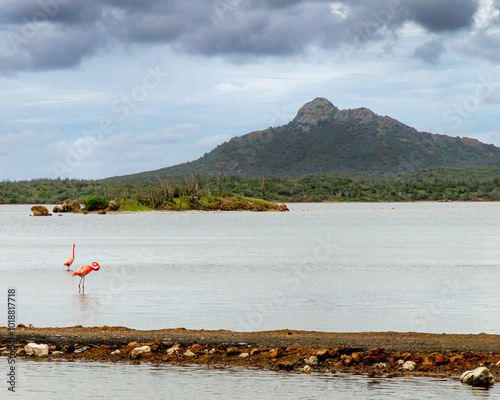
[220, 182]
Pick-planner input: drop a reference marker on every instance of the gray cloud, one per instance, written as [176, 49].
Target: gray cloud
[430, 52]
[443, 15]
[68, 31]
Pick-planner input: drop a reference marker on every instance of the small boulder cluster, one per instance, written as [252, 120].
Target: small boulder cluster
[71, 207]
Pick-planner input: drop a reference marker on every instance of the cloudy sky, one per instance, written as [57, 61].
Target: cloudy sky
[98, 88]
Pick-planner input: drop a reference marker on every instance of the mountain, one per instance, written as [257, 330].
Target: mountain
[324, 139]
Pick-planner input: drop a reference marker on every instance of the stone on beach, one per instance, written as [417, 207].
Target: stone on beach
[480, 376]
[40, 211]
[306, 369]
[138, 351]
[38, 350]
[409, 365]
[313, 360]
[189, 353]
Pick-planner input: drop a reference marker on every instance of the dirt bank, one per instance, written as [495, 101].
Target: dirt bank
[367, 352]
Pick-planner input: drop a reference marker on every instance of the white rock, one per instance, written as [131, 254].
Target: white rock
[189, 353]
[139, 351]
[409, 365]
[480, 376]
[172, 350]
[401, 362]
[313, 360]
[212, 351]
[57, 353]
[244, 355]
[497, 364]
[39, 350]
[115, 352]
[306, 369]
[81, 350]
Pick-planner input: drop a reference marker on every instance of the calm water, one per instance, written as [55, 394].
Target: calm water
[428, 267]
[63, 380]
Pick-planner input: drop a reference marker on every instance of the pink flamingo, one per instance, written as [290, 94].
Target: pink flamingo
[84, 270]
[70, 260]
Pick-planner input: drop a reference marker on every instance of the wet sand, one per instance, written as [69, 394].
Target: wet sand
[376, 353]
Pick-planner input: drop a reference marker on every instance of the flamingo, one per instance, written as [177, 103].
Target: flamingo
[70, 260]
[84, 270]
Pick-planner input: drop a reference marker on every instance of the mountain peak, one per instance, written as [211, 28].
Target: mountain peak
[319, 109]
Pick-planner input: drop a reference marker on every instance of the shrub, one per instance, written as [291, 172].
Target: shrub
[96, 203]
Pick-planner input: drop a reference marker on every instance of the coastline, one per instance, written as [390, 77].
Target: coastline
[376, 353]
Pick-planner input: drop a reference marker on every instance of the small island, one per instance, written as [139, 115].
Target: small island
[100, 205]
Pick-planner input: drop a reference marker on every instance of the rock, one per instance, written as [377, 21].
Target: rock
[232, 351]
[40, 211]
[68, 206]
[254, 351]
[189, 353]
[322, 354]
[173, 350]
[456, 358]
[115, 352]
[139, 351]
[356, 357]
[3, 326]
[374, 352]
[38, 350]
[113, 206]
[313, 360]
[286, 365]
[497, 364]
[481, 376]
[244, 355]
[439, 359]
[409, 365]
[102, 212]
[401, 362]
[282, 207]
[275, 353]
[347, 360]
[380, 365]
[306, 369]
[57, 353]
[133, 344]
[428, 360]
[81, 350]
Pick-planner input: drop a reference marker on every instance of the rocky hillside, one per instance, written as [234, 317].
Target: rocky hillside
[324, 139]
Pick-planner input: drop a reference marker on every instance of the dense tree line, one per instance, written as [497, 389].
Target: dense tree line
[429, 185]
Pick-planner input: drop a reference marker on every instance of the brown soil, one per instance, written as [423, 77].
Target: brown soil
[367, 352]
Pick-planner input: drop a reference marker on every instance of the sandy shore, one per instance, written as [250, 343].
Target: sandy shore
[378, 353]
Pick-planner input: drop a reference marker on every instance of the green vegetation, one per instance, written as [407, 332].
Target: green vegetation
[96, 203]
[209, 192]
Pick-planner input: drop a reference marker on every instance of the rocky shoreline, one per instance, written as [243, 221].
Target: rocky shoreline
[375, 353]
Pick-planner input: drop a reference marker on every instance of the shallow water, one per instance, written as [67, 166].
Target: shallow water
[430, 267]
[63, 380]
